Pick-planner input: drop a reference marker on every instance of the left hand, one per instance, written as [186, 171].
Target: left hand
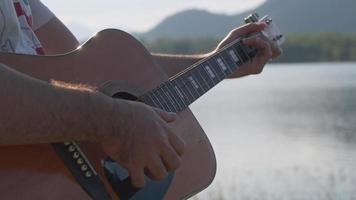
[256, 65]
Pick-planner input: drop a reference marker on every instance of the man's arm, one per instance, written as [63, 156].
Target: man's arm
[33, 111]
[56, 38]
[173, 64]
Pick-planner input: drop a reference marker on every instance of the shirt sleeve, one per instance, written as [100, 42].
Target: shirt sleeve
[40, 14]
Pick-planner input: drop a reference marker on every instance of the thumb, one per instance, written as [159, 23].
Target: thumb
[166, 116]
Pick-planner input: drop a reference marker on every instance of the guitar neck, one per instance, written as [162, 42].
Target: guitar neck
[184, 88]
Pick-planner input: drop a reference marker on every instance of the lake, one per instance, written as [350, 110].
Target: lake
[288, 133]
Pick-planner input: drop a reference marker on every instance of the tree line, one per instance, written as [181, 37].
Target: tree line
[323, 47]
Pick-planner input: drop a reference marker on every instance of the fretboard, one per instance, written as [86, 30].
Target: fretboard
[183, 89]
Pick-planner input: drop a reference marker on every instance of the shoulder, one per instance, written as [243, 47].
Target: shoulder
[41, 14]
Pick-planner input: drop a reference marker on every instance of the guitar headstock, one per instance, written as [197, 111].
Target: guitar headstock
[272, 33]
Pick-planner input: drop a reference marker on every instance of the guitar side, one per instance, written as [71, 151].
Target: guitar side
[36, 172]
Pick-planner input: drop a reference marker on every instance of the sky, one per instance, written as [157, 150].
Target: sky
[91, 16]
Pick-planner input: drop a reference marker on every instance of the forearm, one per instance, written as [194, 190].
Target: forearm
[33, 111]
[56, 38]
[173, 64]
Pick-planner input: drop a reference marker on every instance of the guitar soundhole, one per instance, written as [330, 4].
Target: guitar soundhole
[125, 95]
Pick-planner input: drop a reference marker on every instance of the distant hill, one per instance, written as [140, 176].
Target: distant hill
[292, 16]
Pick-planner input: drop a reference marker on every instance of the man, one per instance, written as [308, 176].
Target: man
[30, 28]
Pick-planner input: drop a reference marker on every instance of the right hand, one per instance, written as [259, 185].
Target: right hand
[143, 141]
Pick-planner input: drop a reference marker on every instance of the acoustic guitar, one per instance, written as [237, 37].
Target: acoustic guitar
[78, 170]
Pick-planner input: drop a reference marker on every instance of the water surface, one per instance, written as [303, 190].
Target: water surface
[288, 133]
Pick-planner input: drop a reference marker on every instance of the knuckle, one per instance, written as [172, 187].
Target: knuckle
[162, 140]
[252, 26]
[138, 182]
[158, 172]
[177, 163]
[234, 32]
[161, 175]
[258, 70]
[174, 164]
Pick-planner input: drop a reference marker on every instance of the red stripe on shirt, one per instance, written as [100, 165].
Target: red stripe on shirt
[40, 51]
[29, 20]
[19, 10]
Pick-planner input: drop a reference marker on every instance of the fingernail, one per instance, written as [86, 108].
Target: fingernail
[244, 40]
[172, 115]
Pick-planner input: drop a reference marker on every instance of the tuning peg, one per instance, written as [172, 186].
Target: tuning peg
[252, 18]
[268, 21]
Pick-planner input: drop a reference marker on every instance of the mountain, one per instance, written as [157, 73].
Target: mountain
[292, 16]
[192, 23]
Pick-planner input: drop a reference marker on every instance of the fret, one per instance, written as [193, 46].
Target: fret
[201, 78]
[178, 84]
[149, 99]
[171, 99]
[161, 99]
[193, 82]
[191, 88]
[180, 103]
[206, 75]
[180, 98]
[157, 100]
[221, 64]
[217, 71]
[229, 62]
[210, 71]
[241, 52]
[185, 88]
[179, 93]
[216, 68]
[199, 83]
[233, 55]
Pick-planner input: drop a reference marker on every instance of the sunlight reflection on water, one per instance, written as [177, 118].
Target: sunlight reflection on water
[289, 133]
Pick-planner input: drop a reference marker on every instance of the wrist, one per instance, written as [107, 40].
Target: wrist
[110, 117]
[87, 115]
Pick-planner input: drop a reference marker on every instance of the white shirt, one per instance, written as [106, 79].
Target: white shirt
[18, 21]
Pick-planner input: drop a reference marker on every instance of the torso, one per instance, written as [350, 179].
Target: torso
[16, 33]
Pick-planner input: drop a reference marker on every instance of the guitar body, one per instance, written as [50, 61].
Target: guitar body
[36, 172]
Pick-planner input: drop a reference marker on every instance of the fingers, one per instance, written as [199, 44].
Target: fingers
[170, 158]
[248, 29]
[166, 116]
[177, 143]
[157, 169]
[242, 31]
[137, 176]
[264, 52]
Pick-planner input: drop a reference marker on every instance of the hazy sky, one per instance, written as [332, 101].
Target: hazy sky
[134, 15]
